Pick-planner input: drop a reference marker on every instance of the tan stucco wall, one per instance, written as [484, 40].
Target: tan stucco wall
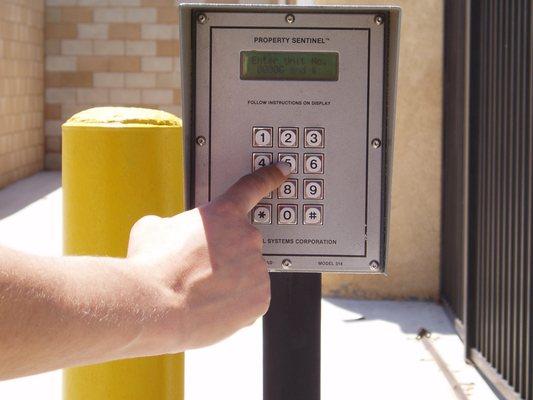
[413, 269]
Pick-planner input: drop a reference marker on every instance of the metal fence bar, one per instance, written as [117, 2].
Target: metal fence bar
[528, 67]
[453, 209]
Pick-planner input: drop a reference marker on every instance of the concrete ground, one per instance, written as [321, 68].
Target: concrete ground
[369, 348]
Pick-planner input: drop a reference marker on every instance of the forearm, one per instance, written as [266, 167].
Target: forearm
[57, 312]
[189, 281]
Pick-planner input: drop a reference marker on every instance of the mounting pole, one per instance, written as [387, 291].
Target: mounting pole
[291, 338]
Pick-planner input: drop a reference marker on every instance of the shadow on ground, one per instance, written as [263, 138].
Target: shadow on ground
[410, 316]
[20, 194]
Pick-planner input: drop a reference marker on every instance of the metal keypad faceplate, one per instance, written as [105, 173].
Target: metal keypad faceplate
[244, 119]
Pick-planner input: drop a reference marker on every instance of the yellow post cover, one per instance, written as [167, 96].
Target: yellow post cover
[120, 164]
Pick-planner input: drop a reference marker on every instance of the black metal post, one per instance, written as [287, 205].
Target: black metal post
[291, 338]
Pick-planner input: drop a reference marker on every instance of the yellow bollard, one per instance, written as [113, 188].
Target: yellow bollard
[120, 164]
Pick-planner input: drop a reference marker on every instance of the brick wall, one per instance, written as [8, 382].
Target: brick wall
[108, 52]
[21, 88]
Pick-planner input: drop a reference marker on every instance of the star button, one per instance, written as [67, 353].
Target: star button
[261, 214]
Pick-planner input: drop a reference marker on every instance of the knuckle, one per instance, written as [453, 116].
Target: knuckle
[144, 222]
[150, 219]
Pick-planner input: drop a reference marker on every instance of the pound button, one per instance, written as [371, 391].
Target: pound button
[313, 214]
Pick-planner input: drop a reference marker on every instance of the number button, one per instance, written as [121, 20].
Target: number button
[261, 160]
[262, 214]
[288, 189]
[313, 214]
[313, 189]
[262, 136]
[291, 159]
[288, 137]
[287, 214]
[313, 163]
[314, 137]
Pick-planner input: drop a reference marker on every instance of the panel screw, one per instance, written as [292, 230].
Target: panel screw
[374, 265]
[200, 140]
[376, 143]
[286, 263]
[202, 18]
[290, 18]
[378, 19]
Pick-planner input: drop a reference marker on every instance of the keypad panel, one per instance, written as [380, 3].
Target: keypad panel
[336, 214]
[295, 201]
[337, 124]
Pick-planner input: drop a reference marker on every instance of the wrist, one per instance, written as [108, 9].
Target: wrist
[156, 312]
[114, 305]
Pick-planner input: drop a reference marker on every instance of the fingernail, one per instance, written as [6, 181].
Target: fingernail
[284, 167]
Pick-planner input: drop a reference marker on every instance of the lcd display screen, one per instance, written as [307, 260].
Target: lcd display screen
[289, 66]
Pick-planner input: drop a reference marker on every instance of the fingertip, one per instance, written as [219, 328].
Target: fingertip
[284, 167]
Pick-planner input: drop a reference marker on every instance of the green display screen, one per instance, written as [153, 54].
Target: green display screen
[289, 66]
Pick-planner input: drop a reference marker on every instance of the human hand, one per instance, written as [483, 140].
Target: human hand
[188, 281]
[206, 266]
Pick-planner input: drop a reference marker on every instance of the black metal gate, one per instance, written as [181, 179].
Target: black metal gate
[495, 259]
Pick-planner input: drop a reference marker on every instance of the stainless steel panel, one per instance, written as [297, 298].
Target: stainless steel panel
[355, 112]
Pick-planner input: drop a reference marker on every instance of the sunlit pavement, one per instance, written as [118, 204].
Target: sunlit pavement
[369, 348]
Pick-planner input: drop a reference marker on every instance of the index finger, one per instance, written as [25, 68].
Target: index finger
[251, 188]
